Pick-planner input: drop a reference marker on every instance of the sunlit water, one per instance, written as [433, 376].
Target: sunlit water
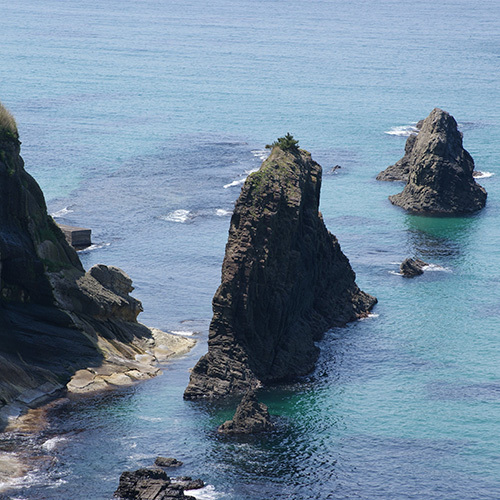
[141, 119]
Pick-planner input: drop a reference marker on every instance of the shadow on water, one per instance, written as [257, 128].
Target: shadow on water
[439, 237]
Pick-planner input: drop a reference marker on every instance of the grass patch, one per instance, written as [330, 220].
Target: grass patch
[7, 122]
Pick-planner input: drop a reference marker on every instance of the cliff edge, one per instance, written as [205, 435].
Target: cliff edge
[55, 318]
[285, 281]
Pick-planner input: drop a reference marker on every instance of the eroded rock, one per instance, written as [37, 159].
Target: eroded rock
[412, 267]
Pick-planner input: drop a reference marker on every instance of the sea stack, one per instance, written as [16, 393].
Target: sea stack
[440, 176]
[285, 281]
[55, 318]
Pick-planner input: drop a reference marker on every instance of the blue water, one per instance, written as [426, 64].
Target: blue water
[135, 115]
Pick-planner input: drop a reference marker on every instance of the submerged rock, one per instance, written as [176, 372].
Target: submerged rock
[285, 281]
[440, 178]
[56, 319]
[149, 484]
[251, 417]
[167, 462]
[412, 267]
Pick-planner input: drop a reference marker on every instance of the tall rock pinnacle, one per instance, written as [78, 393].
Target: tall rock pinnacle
[285, 281]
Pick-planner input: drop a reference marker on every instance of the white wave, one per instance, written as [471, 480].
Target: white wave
[61, 213]
[436, 267]
[402, 130]
[206, 493]
[148, 419]
[370, 316]
[483, 175]
[94, 246]
[237, 182]
[183, 332]
[180, 215]
[234, 183]
[222, 212]
[262, 154]
[395, 273]
[52, 443]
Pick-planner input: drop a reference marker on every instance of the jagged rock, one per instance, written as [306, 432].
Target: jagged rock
[285, 281]
[440, 179]
[412, 267]
[188, 483]
[251, 417]
[55, 318]
[167, 462]
[149, 484]
[399, 171]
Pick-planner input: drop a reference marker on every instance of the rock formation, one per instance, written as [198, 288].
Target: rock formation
[440, 179]
[412, 267]
[399, 171]
[149, 484]
[251, 417]
[285, 281]
[55, 318]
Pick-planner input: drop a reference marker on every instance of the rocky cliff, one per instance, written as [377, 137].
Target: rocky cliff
[285, 281]
[440, 171]
[55, 318]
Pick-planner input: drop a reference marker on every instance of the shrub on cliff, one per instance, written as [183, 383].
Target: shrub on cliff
[7, 122]
[286, 143]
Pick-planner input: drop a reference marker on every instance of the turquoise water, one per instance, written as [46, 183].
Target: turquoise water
[140, 119]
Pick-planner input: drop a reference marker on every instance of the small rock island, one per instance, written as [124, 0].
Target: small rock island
[439, 171]
[56, 320]
[285, 281]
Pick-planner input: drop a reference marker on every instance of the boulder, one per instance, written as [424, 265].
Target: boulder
[251, 417]
[167, 462]
[188, 483]
[440, 178]
[149, 484]
[412, 267]
[285, 281]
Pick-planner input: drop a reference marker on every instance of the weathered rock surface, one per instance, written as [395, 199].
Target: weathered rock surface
[188, 483]
[412, 267]
[167, 462]
[56, 319]
[285, 281]
[400, 170]
[440, 178]
[149, 484]
[251, 417]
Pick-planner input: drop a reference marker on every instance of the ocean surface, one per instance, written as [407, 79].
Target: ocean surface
[141, 119]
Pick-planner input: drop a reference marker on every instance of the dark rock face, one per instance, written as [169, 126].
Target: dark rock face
[285, 281]
[412, 267]
[52, 313]
[251, 417]
[149, 484]
[167, 462]
[440, 178]
[188, 483]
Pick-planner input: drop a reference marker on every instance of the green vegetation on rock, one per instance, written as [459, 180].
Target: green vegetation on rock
[286, 143]
[8, 124]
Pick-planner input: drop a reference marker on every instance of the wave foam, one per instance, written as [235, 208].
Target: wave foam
[94, 246]
[183, 332]
[180, 216]
[52, 443]
[222, 212]
[206, 493]
[61, 213]
[234, 183]
[262, 154]
[402, 131]
[484, 175]
[436, 267]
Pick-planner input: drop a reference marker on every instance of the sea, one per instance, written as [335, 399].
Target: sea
[141, 119]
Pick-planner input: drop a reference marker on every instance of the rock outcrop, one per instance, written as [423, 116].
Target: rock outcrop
[440, 178]
[55, 318]
[285, 281]
[400, 170]
[412, 267]
[149, 484]
[251, 417]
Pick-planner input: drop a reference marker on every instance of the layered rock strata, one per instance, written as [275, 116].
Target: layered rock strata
[56, 319]
[440, 175]
[285, 281]
[251, 417]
